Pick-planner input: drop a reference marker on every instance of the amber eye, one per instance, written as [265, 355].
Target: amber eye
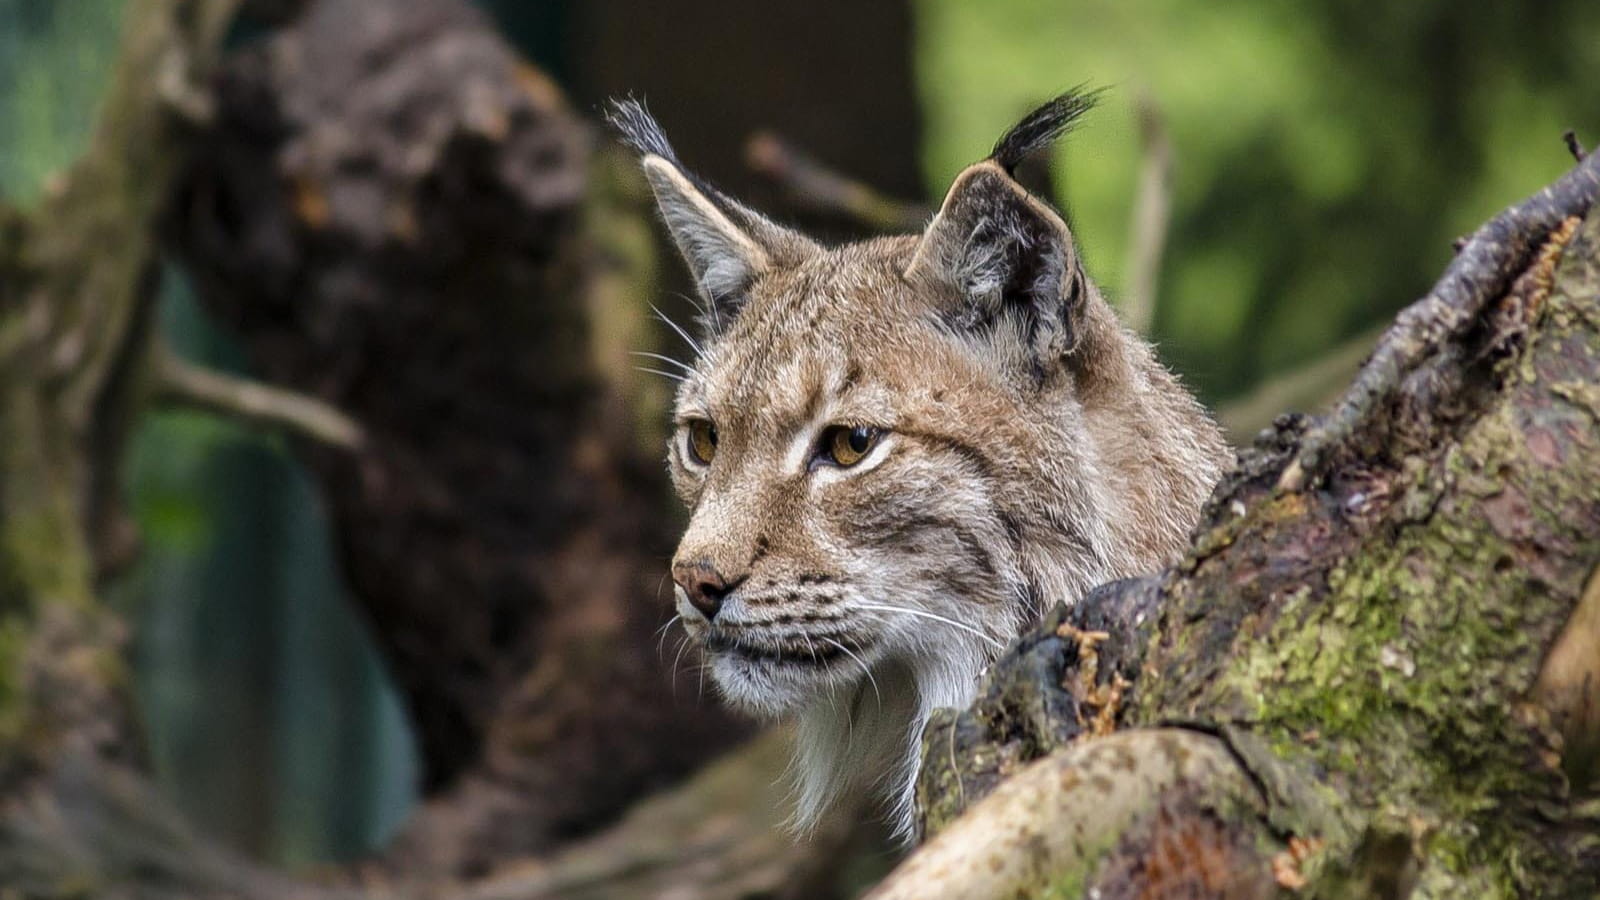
[846, 445]
[702, 441]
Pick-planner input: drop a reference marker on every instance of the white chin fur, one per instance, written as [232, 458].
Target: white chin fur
[768, 689]
[855, 733]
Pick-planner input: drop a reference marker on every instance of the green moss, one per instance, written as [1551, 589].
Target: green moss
[1067, 886]
[1401, 676]
[13, 642]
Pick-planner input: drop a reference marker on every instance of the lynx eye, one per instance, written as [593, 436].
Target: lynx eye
[702, 441]
[844, 446]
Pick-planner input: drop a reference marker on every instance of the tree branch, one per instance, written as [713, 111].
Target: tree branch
[1036, 834]
[718, 836]
[1574, 146]
[182, 383]
[1152, 217]
[817, 187]
[75, 310]
[1305, 388]
[1481, 272]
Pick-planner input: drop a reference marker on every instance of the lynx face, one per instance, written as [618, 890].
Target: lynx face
[832, 446]
[895, 452]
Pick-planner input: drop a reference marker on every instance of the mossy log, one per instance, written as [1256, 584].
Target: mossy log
[1377, 671]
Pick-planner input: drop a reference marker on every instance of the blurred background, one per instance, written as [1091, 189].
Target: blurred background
[1263, 185]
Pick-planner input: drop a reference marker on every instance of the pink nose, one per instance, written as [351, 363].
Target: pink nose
[705, 586]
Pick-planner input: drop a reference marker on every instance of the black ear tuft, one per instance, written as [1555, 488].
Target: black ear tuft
[639, 130]
[725, 244]
[1043, 126]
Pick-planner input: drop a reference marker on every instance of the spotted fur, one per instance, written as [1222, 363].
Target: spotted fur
[1031, 448]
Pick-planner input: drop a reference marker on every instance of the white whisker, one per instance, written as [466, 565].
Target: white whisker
[937, 618]
[706, 308]
[661, 641]
[812, 649]
[683, 644]
[664, 358]
[860, 662]
[716, 317]
[671, 375]
[695, 345]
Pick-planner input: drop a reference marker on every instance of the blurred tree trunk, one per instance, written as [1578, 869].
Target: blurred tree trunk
[77, 278]
[834, 78]
[400, 218]
[396, 217]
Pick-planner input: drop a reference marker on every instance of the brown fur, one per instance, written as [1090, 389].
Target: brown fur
[1031, 448]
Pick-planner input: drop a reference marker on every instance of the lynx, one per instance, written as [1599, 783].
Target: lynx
[897, 452]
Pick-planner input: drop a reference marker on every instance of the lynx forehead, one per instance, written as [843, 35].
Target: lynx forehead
[895, 452]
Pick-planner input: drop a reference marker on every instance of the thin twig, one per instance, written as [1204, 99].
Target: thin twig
[1481, 272]
[186, 384]
[1304, 388]
[820, 188]
[1574, 146]
[1152, 217]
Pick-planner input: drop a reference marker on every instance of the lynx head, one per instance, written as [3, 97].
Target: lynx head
[895, 451]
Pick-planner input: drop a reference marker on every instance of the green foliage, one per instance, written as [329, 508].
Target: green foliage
[1326, 153]
[55, 56]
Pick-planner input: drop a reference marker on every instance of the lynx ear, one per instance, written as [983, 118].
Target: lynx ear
[726, 245]
[723, 258]
[1007, 254]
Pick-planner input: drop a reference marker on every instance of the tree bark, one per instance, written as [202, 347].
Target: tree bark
[1374, 673]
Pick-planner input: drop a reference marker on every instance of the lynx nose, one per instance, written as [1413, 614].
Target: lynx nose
[705, 586]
